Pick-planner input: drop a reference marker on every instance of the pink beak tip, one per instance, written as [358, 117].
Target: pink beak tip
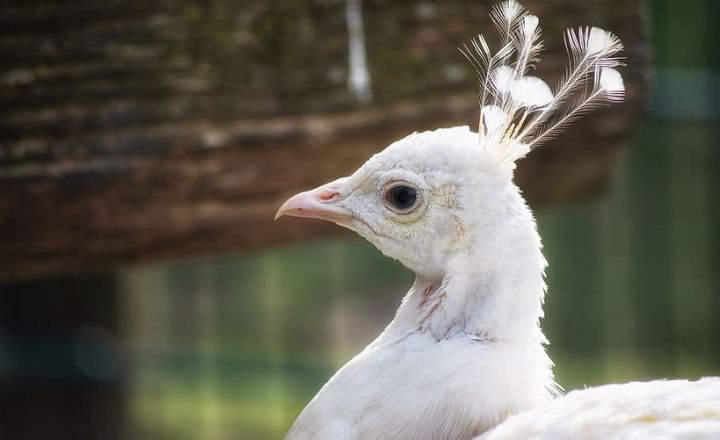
[283, 209]
[317, 204]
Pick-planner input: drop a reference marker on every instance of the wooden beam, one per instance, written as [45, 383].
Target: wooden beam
[139, 132]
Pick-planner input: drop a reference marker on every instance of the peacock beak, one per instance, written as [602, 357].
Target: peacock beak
[319, 203]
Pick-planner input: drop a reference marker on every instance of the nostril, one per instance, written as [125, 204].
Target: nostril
[328, 196]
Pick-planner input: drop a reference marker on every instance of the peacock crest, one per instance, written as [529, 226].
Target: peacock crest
[518, 111]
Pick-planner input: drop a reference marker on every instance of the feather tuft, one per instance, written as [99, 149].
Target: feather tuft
[518, 111]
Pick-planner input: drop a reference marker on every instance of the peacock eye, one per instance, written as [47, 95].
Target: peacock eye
[401, 197]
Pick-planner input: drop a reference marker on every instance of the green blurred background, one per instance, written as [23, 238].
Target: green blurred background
[234, 347]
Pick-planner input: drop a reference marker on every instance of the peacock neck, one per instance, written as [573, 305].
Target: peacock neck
[492, 289]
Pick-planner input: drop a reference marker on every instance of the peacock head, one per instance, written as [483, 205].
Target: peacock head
[416, 201]
[431, 195]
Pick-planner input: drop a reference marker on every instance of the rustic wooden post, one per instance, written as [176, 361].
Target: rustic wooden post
[144, 131]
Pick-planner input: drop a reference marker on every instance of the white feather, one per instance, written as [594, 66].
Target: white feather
[530, 25]
[600, 41]
[531, 91]
[493, 118]
[507, 16]
[675, 409]
[590, 50]
[503, 79]
[612, 83]
[517, 149]
[532, 111]
[529, 45]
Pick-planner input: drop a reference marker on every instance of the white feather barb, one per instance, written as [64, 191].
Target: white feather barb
[518, 111]
[507, 16]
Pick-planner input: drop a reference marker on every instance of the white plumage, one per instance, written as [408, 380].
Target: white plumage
[465, 349]
[659, 410]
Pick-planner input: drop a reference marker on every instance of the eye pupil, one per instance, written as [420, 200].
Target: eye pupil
[402, 197]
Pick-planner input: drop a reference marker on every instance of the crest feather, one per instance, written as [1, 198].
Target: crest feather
[518, 111]
[531, 91]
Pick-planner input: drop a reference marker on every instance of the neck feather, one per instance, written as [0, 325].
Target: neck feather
[492, 289]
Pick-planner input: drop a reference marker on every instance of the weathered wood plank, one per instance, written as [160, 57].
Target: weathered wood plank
[143, 131]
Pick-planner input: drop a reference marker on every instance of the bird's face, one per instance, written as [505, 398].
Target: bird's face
[417, 201]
